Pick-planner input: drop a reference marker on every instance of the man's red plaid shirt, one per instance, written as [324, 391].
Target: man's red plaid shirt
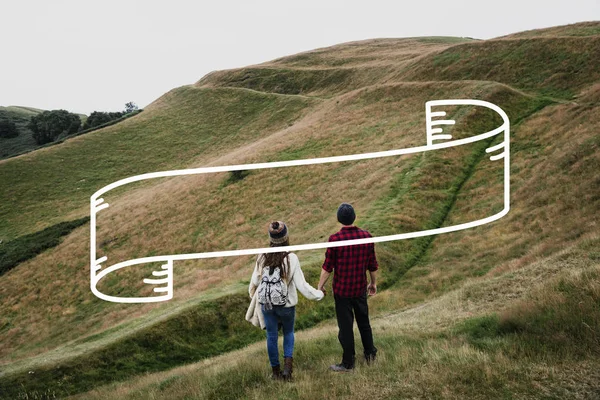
[350, 262]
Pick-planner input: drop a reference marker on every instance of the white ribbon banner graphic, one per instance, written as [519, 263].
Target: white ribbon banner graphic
[436, 139]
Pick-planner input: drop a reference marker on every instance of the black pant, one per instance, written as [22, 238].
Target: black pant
[346, 308]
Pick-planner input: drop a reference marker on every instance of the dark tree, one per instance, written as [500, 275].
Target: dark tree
[130, 107]
[8, 129]
[98, 118]
[49, 125]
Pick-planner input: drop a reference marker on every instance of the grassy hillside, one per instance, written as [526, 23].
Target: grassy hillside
[558, 67]
[496, 337]
[452, 318]
[202, 203]
[23, 143]
[334, 70]
[20, 116]
[159, 138]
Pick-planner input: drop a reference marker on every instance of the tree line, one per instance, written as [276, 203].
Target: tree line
[50, 125]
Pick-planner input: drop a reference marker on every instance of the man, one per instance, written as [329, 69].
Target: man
[349, 265]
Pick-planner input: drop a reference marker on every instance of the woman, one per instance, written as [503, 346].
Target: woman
[275, 278]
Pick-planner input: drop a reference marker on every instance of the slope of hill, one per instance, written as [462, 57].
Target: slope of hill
[352, 98]
[559, 67]
[329, 71]
[162, 137]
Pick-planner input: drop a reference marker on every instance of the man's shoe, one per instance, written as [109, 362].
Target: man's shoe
[370, 358]
[340, 368]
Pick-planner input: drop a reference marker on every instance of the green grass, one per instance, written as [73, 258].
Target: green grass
[28, 246]
[559, 320]
[208, 329]
[374, 56]
[555, 67]
[446, 58]
[591, 28]
[285, 81]
[310, 149]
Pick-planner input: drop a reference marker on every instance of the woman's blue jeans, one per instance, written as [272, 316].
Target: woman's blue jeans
[285, 315]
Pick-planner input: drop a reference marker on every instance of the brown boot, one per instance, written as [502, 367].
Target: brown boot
[288, 364]
[276, 375]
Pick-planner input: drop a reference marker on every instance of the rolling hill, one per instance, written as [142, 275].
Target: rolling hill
[23, 143]
[508, 309]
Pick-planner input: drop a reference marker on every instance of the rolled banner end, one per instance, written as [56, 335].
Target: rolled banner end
[435, 109]
[435, 125]
[162, 278]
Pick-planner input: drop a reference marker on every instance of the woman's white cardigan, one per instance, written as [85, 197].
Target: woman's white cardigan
[295, 281]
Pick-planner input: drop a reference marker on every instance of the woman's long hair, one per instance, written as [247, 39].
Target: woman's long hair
[275, 260]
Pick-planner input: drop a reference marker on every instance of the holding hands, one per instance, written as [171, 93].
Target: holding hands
[372, 289]
[322, 289]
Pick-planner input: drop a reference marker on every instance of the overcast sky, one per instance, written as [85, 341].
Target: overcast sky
[97, 55]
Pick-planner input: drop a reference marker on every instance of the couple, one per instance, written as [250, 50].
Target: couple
[277, 276]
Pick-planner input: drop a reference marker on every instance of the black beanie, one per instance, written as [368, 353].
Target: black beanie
[345, 214]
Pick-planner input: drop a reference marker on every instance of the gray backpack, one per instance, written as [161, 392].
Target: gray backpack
[272, 290]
